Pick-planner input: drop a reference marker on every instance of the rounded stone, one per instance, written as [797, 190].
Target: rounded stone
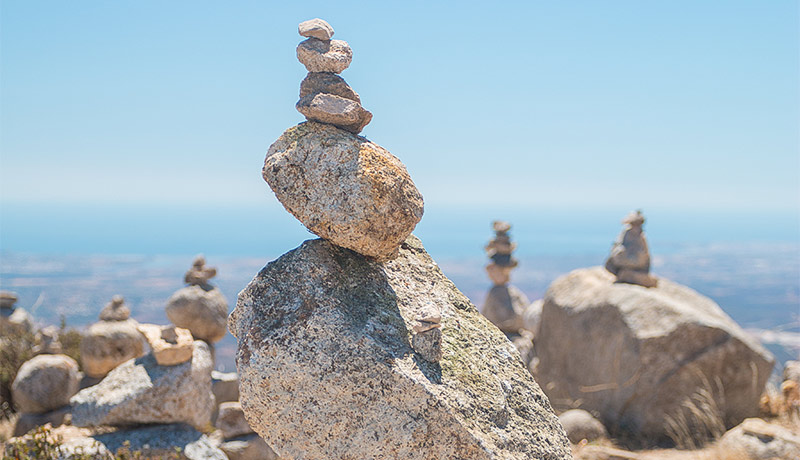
[580, 424]
[317, 28]
[108, 344]
[202, 310]
[44, 383]
[324, 55]
[335, 110]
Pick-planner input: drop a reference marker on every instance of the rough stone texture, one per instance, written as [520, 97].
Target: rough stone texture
[201, 309]
[635, 355]
[28, 422]
[162, 440]
[248, 447]
[761, 440]
[523, 342]
[44, 383]
[334, 110]
[170, 345]
[581, 425]
[324, 56]
[231, 420]
[344, 188]
[225, 386]
[791, 371]
[116, 310]
[532, 315]
[108, 344]
[48, 341]
[141, 391]
[327, 83]
[504, 306]
[316, 28]
[15, 321]
[327, 371]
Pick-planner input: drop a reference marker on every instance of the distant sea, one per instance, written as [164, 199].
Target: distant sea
[70, 260]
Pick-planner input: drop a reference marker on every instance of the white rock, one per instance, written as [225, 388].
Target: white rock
[581, 425]
[202, 310]
[108, 344]
[44, 383]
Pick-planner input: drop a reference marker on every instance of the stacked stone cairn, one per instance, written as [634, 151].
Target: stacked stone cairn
[111, 341]
[12, 319]
[199, 307]
[630, 257]
[356, 345]
[324, 96]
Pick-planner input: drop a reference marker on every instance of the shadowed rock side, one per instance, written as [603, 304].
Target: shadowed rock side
[638, 356]
[328, 371]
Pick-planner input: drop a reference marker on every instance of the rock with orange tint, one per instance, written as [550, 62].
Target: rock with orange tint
[344, 188]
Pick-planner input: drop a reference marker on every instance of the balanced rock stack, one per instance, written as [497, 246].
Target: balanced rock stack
[112, 340]
[505, 304]
[364, 328]
[13, 320]
[325, 96]
[199, 307]
[630, 257]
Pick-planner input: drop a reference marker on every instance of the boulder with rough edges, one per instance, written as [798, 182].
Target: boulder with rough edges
[327, 370]
[637, 356]
[324, 55]
[201, 309]
[108, 344]
[44, 383]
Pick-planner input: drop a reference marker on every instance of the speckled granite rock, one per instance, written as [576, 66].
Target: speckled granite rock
[201, 309]
[142, 391]
[344, 188]
[327, 370]
[44, 383]
[170, 345]
[317, 28]
[108, 344]
[248, 447]
[324, 55]
[327, 83]
[335, 110]
[636, 355]
[231, 420]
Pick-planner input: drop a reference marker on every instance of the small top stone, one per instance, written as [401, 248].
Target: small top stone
[630, 257]
[7, 299]
[116, 310]
[316, 28]
[199, 274]
[500, 248]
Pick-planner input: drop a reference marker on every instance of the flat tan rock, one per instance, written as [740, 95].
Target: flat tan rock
[316, 28]
[344, 188]
[335, 110]
[170, 345]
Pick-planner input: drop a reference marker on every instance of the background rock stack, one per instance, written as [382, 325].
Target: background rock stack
[199, 307]
[356, 345]
[325, 96]
[13, 319]
[111, 341]
[505, 304]
[630, 257]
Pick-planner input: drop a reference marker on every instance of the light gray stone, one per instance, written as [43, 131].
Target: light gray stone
[327, 83]
[201, 309]
[163, 440]
[504, 306]
[327, 370]
[324, 55]
[142, 391]
[639, 356]
[225, 386]
[44, 383]
[170, 345]
[316, 28]
[248, 447]
[344, 188]
[48, 341]
[334, 110]
[761, 440]
[116, 310]
[231, 420]
[107, 344]
[532, 315]
[580, 424]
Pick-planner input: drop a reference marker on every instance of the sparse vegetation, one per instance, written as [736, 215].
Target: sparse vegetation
[700, 419]
[70, 339]
[15, 349]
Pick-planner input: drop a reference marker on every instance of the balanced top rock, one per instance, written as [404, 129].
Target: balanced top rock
[630, 258]
[116, 310]
[324, 96]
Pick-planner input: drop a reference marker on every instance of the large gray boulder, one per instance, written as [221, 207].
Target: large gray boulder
[44, 383]
[108, 344]
[327, 369]
[142, 391]
[344, 188]
[642, 357]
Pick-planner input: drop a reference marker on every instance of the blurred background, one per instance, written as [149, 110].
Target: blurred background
[132, 136]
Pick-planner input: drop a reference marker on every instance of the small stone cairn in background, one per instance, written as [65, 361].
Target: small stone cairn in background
[199, 307]
[325, 96]
[13, 319]
[112, 340]
[630, 257]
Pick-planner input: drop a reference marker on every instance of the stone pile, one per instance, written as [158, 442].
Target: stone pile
[111, 341]
[324, 96]
[12, 319]
[357, 345]
[199, 307]
[630, 258]
[505, 304]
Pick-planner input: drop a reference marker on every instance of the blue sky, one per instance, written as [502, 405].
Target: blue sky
[626, 104]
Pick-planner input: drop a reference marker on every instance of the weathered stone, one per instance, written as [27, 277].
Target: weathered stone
[630, 257]
[27, 422]
[344, 188]
[15, 321]
[231, 420]
[170, 345]
[201, 309]
[248, 447]
[500, 247]
[504, 306]
[761, 440]
[316, 28]
[327, 371]
[791, 371]
[7, 300]
[523, 342]
[324, 55]
[44, 383]
[327, 83]
[639, 356]
[116, 310]
[142, 391]
[48, 341]
[428, 344]
[225, 386]
[581, 425]
[532, 315]
[334, 110]
[499, 275]
[108, 344]
[162, 441]
[199, 274]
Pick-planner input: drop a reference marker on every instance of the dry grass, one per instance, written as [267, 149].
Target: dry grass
[699, 419]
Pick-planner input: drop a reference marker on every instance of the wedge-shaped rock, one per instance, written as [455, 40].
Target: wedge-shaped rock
[324, 55]
[328, 372]
[142, 391]
[344, 188]
[328, 83]
[317, 28]
[640, 357]
[334, 110]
